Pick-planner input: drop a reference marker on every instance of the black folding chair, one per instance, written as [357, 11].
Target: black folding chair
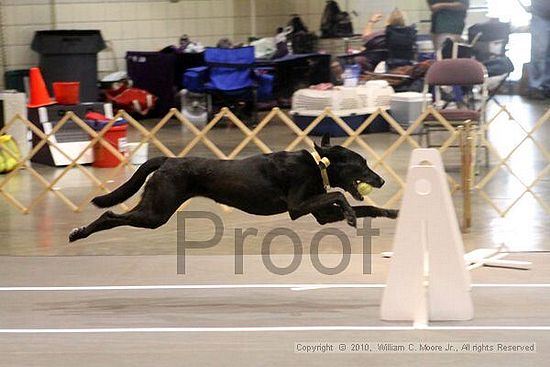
[488, 41]
[401, 44]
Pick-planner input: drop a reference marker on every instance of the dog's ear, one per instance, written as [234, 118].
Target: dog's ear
[321, 150]
[325, 141]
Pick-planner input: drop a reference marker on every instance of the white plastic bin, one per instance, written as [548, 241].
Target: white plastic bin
[141, 155]
[407, 106]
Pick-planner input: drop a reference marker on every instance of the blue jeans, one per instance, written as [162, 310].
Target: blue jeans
[539, 73]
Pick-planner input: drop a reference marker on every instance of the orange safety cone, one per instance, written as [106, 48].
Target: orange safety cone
[39, 93]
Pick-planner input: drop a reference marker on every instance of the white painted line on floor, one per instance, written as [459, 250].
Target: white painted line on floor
[489, 328]
[188, 286]
[310, 287]
[512, 285]
[294, 287]
[270, 329]
[209, 329]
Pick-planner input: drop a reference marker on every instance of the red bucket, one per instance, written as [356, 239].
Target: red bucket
[116, 136]
[67, 92]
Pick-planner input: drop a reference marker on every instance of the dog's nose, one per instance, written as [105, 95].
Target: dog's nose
[382, 182]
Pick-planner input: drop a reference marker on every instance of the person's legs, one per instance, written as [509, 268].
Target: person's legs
[539, 72]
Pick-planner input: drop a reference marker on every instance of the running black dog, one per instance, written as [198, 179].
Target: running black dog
[266, 184]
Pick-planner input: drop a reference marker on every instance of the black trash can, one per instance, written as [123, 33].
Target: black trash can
[70, 55]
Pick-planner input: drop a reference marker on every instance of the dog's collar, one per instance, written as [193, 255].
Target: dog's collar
[322, 163]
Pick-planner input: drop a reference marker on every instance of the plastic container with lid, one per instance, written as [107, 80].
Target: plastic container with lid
[407, 106]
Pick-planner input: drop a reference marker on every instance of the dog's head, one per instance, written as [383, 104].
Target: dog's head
[347, 168]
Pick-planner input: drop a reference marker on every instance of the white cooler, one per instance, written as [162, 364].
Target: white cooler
[13, 103]
[407, 106]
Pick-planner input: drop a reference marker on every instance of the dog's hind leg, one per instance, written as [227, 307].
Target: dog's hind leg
[107, 220]
[159, 201]
[140, 216]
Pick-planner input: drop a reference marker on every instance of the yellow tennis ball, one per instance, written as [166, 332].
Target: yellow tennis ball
[364, 188]
[10, 164]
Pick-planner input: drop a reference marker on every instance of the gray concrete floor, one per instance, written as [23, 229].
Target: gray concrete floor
[34, 252]
[278, 312]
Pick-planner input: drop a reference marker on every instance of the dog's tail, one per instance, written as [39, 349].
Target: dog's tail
[131, 186]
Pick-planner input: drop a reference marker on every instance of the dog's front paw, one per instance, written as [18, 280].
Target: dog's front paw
[392, 213]
[351, 219]
[76, 234]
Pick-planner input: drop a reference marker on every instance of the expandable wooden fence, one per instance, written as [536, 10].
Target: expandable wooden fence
[525, 136]
[466, 137]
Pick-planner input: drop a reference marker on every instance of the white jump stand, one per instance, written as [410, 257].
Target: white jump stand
[427, 279]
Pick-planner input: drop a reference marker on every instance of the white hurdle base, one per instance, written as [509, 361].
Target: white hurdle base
[494, 258]
[485, 257]
[427, 278]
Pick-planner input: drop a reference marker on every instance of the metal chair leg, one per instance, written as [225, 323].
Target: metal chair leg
[254, 107]
[209, 111]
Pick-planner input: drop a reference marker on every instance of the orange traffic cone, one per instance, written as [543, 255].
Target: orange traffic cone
[39, 93]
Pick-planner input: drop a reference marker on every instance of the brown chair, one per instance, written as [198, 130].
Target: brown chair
[461, 75]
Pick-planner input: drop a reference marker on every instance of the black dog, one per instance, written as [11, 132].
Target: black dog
[267, 184]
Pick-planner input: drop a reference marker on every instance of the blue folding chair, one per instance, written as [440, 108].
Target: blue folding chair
[231, 80]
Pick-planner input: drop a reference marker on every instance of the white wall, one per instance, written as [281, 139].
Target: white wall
[150, 25]
[127, 24]
[415, 11]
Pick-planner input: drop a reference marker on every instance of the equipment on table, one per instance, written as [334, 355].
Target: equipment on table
[371, 95]
[375, 93]
[70, 138]
[264, 47]
[352, 104]
[351, 75]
